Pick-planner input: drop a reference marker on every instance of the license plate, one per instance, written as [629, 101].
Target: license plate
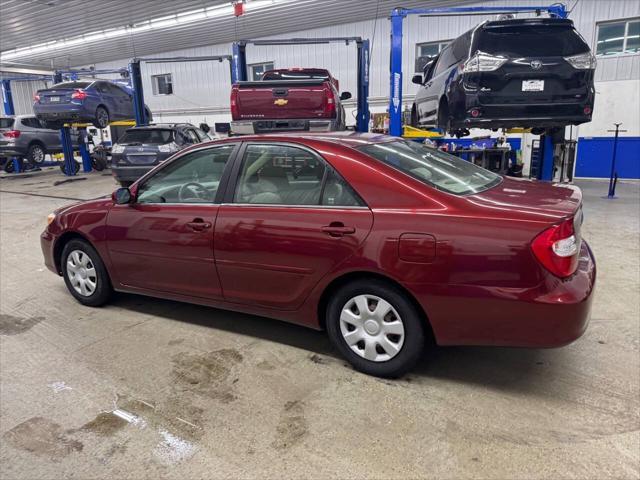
[54, 99]
[532, 85]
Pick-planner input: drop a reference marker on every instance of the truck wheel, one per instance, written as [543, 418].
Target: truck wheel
[35, 154]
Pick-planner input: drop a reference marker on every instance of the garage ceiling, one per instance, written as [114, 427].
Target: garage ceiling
[25, 23]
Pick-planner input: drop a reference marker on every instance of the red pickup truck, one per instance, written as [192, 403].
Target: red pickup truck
[285, 100]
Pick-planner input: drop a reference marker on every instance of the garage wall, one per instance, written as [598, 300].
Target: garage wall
[22, 94]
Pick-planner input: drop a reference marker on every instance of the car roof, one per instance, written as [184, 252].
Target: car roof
[524, 22]
[346, 138]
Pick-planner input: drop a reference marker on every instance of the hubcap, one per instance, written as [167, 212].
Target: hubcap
[372, 328]
[38, 155]
[81, 273]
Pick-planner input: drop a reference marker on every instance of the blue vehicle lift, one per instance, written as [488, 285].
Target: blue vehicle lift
[398, 15]
[239, 67]
[135, 74]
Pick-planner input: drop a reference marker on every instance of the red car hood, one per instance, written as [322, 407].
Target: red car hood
[531, 198]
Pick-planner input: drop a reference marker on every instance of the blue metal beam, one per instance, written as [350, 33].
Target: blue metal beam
[67, 150]
[138, 93]
[7, 98]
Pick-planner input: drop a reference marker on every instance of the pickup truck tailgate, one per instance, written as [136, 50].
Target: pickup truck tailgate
[289, 99]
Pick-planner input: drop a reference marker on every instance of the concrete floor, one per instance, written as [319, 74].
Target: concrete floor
[199, 392]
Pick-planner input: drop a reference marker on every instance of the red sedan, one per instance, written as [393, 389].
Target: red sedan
[384, 243]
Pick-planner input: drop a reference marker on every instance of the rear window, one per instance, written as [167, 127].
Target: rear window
[433, 167]
[156, 136]
[6, 122]
[296, 75]
[531, 41]
[72, 85]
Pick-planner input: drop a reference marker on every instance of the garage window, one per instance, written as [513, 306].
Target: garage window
[162, 84]
[426, 50]
[620, 37]
[257, 69]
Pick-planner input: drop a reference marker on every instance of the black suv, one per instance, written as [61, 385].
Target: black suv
[531, 73]
[142, 148]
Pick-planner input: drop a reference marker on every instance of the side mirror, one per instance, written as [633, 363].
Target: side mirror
[345, 95]
[417, 79]
[122, 196]
[205, 127]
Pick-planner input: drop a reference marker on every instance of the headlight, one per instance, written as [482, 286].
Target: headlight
[117, 148]
[584, 61]
[50, 218]
[168, 148]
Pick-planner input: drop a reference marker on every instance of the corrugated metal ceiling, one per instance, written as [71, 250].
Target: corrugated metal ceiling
[25, 23]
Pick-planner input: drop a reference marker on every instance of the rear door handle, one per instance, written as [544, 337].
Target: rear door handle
[198, 225]
[338, 230]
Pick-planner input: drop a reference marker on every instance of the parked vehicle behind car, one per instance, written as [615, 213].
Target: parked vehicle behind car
[24, 136]
[142, 148]
[96, 101]
[532, 73]
[289, 99]
[383, 242]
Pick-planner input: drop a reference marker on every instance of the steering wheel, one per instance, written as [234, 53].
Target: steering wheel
[192, 190]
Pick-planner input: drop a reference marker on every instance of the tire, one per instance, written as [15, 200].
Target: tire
[98, 163]
[414, 116]
[407, 345]
[444, 120]
[149, 115]
[10, 167]
[36, 153]
[101, 119]
[79, 261]
[75, 165]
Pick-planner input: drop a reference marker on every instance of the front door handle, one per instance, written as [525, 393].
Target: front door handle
[338, 229]
[198, 225]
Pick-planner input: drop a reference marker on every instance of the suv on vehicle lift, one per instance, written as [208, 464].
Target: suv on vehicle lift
[533, 73]
[142, 148]
[24, 136]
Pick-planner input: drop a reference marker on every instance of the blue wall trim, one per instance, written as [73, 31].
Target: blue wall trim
[594, 157]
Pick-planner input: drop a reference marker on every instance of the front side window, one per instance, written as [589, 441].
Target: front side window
[162, 84]
[618, 37]
[433, 167]
[193, 178]
[286, 175]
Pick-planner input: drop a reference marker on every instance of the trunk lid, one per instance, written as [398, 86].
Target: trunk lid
[282, 99]
[60, 93]
[544, 201]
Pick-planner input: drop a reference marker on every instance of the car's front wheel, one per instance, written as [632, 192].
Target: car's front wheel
[35, 154]
[85, 274]
[376, 328]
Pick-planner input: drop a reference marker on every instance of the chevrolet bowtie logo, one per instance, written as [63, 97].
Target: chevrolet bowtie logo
[280, 102]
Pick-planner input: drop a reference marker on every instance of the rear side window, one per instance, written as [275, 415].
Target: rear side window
[531, 41]
[6, 122]
[147, 136]
[31, 122]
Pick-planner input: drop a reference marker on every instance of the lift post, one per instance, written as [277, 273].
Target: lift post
[135, 74]
[239, 67]
[398, 15]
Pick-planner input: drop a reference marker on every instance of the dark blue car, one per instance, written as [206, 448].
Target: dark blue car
[96, 101]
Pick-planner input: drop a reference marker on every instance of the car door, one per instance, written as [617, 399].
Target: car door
[123, 101]
[434, 89]
[287, 220]
[163, 240]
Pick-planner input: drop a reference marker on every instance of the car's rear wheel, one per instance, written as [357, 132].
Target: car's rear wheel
[36, 153]
[414, 116]
[85, 274]
[101, 119]
[376, 328]
[444, 118]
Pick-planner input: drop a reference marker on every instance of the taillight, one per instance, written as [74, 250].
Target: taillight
[557, 248]
[330, 104]
[79, 95]
[235, 114]
[483, 62]
[36, 98]
[12, 134]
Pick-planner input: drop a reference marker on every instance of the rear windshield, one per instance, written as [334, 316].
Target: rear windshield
[433, 167]
[531, 41]
[155, 136]
[295, 75]
[6, 122]
[72, 85]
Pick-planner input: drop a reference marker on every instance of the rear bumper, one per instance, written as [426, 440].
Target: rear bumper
[123, 173]
[250, 127]
[60, 112]
[552, 314]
